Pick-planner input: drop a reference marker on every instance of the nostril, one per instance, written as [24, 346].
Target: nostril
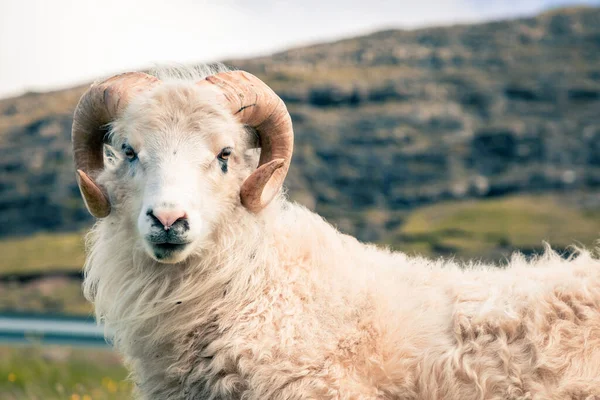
[166, 218]
[155, 221]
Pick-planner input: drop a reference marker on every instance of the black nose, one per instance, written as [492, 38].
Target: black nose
[175, 220]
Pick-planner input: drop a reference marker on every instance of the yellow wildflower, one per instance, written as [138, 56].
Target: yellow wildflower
[112, 386]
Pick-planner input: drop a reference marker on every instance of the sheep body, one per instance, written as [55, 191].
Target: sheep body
[283, 306]
[280, 305]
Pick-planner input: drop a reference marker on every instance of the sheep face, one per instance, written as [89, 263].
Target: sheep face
[178, 171]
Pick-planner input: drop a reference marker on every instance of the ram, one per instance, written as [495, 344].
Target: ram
[217, 287]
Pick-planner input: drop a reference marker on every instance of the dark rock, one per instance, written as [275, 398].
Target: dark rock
[584, 95]
[521, 93]
[328, 96]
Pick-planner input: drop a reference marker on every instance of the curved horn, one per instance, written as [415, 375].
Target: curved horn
[100, 105]
[257, 105]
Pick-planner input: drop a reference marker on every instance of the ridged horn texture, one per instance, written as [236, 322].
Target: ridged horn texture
[100, 105]
[256, 105]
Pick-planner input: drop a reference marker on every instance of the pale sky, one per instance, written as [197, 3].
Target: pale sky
[51, 44]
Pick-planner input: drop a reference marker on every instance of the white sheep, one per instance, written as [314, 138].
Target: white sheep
[217, 287]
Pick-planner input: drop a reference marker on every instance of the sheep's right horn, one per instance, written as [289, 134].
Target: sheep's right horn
[257, 105]
[100, 105]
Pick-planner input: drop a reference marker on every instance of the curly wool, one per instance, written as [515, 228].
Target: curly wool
[280, 305]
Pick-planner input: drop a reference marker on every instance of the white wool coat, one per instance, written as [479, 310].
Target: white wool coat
[280, 305]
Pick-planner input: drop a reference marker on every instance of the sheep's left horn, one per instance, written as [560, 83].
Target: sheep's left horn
[257, 105]
[100, 105]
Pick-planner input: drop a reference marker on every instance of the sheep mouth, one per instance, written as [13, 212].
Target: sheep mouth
[166, 251]
[169, 247]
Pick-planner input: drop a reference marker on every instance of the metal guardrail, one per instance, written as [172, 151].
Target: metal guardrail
[59, 330]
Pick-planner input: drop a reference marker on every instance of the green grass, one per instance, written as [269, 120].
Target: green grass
[39, 254]
[42, 252]
[492, 229]
[61, 373]
[55, 296]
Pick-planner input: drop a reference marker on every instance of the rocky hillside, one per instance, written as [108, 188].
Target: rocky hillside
[384, 123]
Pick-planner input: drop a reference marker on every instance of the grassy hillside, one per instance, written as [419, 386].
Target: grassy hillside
[42, 252]
[470, 140]
[389, 122]
[56, 260]
[492, 229]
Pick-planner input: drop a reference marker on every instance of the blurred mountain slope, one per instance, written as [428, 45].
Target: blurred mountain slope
[384, 123]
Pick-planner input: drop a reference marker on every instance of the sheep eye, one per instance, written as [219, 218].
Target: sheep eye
[129, 152]
[223, 157]
[224, 154]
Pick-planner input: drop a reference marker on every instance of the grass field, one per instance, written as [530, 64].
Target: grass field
[42, 252]
[54, 295]
[493, 229]
[61, 373]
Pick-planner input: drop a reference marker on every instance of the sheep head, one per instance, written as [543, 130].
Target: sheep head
[180, 148]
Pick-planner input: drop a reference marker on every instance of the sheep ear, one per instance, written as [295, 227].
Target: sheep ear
[95, 199]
